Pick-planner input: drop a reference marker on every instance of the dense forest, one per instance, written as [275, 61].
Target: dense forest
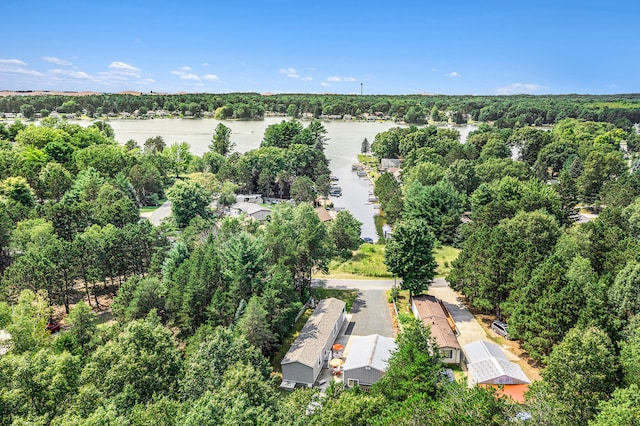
[505, 111]
[198, 306]
[568, 291]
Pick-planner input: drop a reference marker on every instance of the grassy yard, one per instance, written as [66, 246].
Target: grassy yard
[444, 256]
[367, 262]
[150, 209]
[347, 296]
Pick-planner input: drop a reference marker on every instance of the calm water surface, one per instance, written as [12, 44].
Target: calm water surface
[342, 148]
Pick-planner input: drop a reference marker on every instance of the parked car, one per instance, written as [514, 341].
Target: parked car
[500, 328]
[368, 240]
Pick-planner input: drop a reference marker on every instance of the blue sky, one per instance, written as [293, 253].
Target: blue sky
[445, 47]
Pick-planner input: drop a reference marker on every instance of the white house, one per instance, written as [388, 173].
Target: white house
[488, 365]
[367, 359]
[255, 211]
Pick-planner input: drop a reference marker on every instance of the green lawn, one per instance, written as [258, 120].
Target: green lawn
[149, 209]
[444, 256]
[347, 296]
[367, 262]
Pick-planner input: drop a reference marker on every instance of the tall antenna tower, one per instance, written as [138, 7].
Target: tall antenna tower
[361, 84]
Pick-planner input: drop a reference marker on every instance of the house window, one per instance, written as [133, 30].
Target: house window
[446, 353]
[353, 382]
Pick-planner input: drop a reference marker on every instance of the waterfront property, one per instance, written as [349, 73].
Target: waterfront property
[311, 350]
[435, 315]
[367, 359]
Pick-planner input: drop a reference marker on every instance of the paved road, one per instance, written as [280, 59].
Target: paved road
[370, 311]
[353, 284]
[160, 213]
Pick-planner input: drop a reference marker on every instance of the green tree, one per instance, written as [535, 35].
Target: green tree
[414, 368]
[345, 232]
[409, 255]
[582, 371]
[221, 140]
[27, 111]
[83, 324]
[213, 352]
[623, 409]
[28, 322]
[114, 206]
[365, 147]
[141, 362]
[188, 200]
[254, 327]
[303, 189]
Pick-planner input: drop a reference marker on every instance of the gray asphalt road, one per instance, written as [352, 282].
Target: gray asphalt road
[160, 213]
[353, 284]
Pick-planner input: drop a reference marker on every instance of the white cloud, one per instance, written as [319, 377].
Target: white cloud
[518, 88]
[72, 74]
[325, 84]
[289, 72]
[121, 66]
[185, 68]
[209, 77]
[306, 78]
[205, 64]
[12, 62]
[452, 74]
[190, 77]
[174, 72]
[57, 61]
[338, 79]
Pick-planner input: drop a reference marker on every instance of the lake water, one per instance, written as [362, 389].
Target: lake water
[342, 148]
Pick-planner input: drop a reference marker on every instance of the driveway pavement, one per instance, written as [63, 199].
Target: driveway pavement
[370, 311]
[160, 213]
[469, 328]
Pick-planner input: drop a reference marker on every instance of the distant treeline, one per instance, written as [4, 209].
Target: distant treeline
[505, 111]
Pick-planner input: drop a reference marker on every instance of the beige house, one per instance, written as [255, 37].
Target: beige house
[435, 315]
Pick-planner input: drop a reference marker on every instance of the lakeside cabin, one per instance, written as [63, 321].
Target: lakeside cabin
[435, 315]
[311, 350]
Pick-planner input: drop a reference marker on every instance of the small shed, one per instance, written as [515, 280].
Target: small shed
[435, 315]
[367, 359]
[488, 365]
[312, 348]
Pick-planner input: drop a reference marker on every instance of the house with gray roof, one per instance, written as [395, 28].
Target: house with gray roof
[367, 359]
[311, 350]
[488, 365]
[253, 210]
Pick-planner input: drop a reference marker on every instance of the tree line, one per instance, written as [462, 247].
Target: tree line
[506, 111]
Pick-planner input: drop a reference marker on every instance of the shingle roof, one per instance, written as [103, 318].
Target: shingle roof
[315, 333]
[434, 316]
[369, 351]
